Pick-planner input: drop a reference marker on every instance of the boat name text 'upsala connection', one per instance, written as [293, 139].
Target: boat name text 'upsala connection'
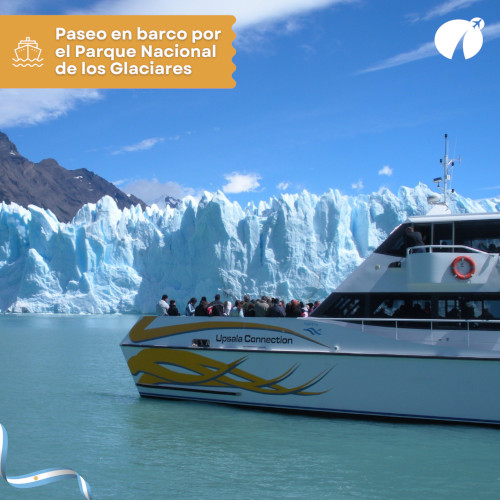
[254, 340]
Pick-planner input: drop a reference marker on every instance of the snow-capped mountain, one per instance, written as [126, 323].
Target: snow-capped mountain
[49, 185]
[110, 260]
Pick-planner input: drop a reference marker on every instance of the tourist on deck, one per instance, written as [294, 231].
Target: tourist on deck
[414, 239]
[191, 307]
[276, 310]
[217, 306]
[237, 310]
[293, 309]
[172, 310]
[250, 312]
[162, 306]
[304, 310]
[246, 302]
[227, 308]
[202, 308]
[262, 307]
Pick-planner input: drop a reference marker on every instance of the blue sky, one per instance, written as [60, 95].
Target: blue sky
[343, 94]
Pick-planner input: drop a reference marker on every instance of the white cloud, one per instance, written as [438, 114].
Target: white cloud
[246, 13]
[10, 7]
[358, 185]
[422, 52]
[33, 106]
[282, 186]
[445, 8]
[490, 32]
[139, 146]
[153, 191]
[385, 170]
[120, 182]
[241, 183]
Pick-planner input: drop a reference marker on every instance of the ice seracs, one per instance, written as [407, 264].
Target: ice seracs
[109, 260]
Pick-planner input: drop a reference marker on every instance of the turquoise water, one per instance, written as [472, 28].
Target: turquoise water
[68, 400]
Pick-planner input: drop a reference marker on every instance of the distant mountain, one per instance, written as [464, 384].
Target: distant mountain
[50, 186]
[172, 202]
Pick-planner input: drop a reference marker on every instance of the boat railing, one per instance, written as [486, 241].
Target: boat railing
[444, 248]
[405, 328]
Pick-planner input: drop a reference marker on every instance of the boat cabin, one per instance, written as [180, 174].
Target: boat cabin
[418, 289]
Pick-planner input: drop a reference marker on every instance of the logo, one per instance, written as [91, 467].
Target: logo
[449, 35]
[27, 54]
[313, 331]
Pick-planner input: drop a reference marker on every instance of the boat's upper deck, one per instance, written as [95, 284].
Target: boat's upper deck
[453, 265]
[476, 231]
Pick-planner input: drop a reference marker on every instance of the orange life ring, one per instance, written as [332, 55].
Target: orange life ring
[459, 275]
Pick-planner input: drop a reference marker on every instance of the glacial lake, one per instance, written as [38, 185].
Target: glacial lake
[68, 400]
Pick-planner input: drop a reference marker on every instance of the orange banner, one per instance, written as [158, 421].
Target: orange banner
[116, 51]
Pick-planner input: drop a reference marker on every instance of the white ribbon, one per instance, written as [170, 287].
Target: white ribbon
[38, 478]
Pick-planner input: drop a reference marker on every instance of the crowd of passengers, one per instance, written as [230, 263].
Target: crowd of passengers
[263, 307]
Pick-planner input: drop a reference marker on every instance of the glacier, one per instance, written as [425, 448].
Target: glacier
[109, 260]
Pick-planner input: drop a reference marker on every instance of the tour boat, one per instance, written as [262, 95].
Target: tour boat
[414, 332]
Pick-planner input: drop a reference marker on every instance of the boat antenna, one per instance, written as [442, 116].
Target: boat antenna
[448, 165]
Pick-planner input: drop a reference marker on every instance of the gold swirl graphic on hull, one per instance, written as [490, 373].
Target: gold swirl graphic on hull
[198, 370]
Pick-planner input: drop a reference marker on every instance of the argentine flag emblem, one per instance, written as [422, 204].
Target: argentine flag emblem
[38, 478]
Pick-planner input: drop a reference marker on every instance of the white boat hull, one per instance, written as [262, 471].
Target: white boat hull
[316, 365]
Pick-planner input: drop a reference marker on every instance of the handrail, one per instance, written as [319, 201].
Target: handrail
[454, 248]
[431, 327]
[413, 320]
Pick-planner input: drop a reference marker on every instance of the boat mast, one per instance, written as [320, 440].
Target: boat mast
[448, 165]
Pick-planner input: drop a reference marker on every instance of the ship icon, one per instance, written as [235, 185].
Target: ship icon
[27, 54]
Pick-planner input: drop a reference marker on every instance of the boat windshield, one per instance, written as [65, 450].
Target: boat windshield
[395, 244]
[482, 235]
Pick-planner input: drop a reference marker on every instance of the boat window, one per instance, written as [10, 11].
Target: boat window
[397, 309]
[491, 309]
[400, 307]
[342, 306]
[448, 308]
[425, 231]
[482, 235]
[395, 244]
[431, 306]
[347, 307]
[383, 307]
[466, 307]
[442, 234]
[380, 307]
